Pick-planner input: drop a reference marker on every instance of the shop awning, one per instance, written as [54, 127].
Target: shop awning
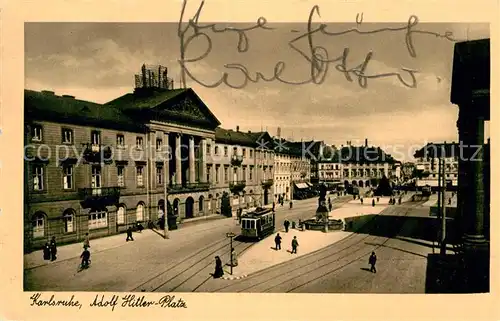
[301, 185]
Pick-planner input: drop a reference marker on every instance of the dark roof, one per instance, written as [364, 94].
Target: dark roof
[251, 139]
[47, 106]
[158, 104]
[356, 154]
[438, 150]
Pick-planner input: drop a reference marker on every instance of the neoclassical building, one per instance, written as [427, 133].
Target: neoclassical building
[99, 168]
[427, 160]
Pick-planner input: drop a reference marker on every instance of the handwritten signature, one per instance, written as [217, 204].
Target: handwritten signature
[316, 56]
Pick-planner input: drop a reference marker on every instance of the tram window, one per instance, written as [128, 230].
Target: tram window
[244, 224]
[252, 224]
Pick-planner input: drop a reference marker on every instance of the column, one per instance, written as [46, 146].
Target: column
[471, 135]
[192, 178]
[204, 161]
[178, 165]
[166, 158]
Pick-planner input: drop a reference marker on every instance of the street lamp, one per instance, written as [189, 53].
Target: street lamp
[165, 204]
[231, 235]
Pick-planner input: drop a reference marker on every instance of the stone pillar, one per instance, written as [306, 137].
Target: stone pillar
[471, 135]
[166, 158]
[178, 157]
[192, 177]
[203, 157]
[471, 199]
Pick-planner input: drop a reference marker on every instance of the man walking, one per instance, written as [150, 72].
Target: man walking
[277, 242]
[295, 244]
[372, 261]
[129, 234]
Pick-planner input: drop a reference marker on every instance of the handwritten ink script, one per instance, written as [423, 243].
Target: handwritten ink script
[109, 301]
[316, 56]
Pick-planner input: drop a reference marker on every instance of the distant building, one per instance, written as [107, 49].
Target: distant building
[426, 163]
[360, 166]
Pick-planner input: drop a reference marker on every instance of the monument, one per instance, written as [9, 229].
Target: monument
[322, 222]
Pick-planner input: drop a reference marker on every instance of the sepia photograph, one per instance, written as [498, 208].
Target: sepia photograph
[257, 157]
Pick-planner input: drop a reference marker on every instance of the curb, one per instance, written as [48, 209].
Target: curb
[234, 277]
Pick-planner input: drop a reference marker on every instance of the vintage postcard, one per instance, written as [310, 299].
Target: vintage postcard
[248, 159]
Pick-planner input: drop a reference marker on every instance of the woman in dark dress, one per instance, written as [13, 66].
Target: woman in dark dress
[46, 251]
[53, 249]
[219, 272]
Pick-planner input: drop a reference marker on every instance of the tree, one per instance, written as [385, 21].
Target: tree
[384, 187]
[225, 205]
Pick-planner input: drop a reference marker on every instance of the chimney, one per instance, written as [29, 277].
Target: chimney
[279, 132]
[366, 142]
[237, 128]
[69, 96]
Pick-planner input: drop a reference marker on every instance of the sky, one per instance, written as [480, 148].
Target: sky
[97, 62]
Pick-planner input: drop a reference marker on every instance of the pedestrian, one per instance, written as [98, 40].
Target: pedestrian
[219, 272]
[53, 249]
[85, 256]
[129, 234]
[274, 205]
[373, 202]
[449, 201]
[234, 257]
[86, 242]
[139, 227]
[295, 244]
[277, 242]
[399, 200]
[378, 199]
[291, 204]
[361, 199]
[46, 251]
[287, 224]
[330, 206]
[372, 261]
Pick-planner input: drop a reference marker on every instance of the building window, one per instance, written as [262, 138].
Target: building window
[226, 174]
[159, 175]
[121, 176]
[68, 222]
[120, 215]
[139, 176]
[95, 138]
[98, 220]
[244, 152]
[68, 177]
[38, 225]
[159, 144]
[139, 212]
[38, 182]
[244, 173]
[235, 151]
[96, 177]
[217, 173]
[67, 136]
[209, 149]
[251, 153]
[225, 150]
[36, 133]
[120, 141]
[209, 171]
[216, 150]
[138, 142]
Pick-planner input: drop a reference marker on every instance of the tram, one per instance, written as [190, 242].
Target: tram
[258, 224]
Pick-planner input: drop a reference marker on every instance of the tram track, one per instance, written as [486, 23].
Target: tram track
[172, 284]
[291, 271]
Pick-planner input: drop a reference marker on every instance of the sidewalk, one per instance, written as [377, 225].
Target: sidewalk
[71, 251]
[262, 255]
